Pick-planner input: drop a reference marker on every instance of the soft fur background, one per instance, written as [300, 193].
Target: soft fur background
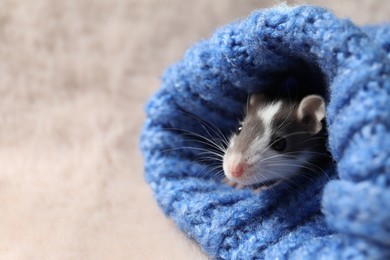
[74, 78]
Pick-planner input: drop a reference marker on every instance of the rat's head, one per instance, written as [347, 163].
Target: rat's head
[275, 139]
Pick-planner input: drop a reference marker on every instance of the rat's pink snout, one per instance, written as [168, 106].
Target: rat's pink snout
[237, 169]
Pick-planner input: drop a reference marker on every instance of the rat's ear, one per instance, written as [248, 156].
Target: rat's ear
[256, 99]
[311, 111]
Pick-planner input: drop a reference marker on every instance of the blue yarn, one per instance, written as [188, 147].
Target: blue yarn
[277, 50]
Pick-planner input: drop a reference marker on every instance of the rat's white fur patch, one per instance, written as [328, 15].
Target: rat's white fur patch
[266, 114]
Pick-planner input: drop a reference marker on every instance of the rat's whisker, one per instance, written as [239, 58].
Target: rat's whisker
[209, 170]
[208, 143]
[207, 140]
[293, 155]
[299, 166]
[282, 178]
[191, 148]
[194, 134]
[209, 125]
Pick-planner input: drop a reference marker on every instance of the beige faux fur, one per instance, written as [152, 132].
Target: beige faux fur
[74, 76]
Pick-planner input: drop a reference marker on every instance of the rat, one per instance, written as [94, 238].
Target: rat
[276, 140]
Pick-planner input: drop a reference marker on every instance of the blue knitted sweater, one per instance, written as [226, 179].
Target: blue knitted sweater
[281, 49]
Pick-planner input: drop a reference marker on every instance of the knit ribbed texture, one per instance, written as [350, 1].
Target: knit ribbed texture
[277, 50]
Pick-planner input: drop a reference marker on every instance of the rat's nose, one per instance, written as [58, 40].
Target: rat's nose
[238, 169]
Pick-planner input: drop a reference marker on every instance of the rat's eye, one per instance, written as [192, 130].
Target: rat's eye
[278, 144]
[238, 130]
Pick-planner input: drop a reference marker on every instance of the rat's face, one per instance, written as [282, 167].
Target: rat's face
[274, 140]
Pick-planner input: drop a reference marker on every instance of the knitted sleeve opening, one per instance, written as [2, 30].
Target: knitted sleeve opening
[283, 52]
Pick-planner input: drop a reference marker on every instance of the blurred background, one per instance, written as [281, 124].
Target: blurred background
[74, 77]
